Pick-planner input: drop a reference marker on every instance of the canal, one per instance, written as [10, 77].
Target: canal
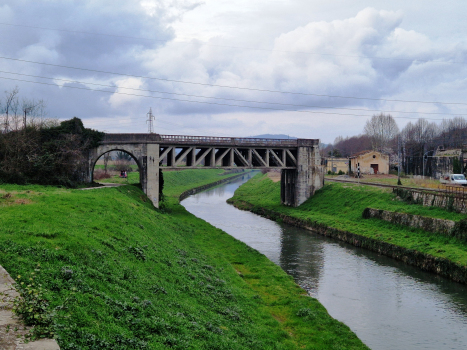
[388, 304]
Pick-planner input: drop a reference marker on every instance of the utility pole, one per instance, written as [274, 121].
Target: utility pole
[150, 121]
[399, 183]
[26, 111]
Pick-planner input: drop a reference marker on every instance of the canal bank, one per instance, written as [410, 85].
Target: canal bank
[387, 303]
[111, 272]
[325, 215]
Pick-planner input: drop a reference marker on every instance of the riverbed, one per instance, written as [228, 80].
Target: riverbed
[388, 304]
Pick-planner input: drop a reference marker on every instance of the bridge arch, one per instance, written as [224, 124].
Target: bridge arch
[146, 157]
[118, 149]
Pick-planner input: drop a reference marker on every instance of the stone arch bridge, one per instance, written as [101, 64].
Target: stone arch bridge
[298, 159]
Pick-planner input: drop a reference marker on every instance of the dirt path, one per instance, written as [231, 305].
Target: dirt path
[104, 185]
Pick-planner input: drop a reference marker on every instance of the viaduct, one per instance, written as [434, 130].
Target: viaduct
[299, 159]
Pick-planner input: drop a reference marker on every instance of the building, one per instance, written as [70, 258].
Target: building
[337, 164]
[449, 161]
[370, 162]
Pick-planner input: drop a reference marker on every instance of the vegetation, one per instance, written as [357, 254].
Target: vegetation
[47, 155]
[108, 271]
[341, 206]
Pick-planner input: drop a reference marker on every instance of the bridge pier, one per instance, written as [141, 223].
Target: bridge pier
[151, 186]
[297, 185]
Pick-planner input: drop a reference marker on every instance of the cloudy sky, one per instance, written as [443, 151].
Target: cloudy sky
[305, 68]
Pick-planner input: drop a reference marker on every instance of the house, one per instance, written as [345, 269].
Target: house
[447, 161]
[370, 162]
[337, 164]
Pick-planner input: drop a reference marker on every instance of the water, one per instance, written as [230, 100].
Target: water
[388, 304]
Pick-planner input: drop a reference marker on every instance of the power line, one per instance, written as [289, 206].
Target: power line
[229, 99]
[238, 47]
[232, 87]
[211, 103]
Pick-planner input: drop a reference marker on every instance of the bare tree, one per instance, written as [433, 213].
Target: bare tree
[381, 129]
[11, 105]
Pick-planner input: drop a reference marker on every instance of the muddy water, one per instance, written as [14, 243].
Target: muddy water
[388, 304]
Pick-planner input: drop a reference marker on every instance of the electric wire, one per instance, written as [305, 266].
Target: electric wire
[210, 103]
[232, 87]
[231, 99]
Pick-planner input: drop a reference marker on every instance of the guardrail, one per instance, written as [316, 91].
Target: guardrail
[237, 141]
[207, 140]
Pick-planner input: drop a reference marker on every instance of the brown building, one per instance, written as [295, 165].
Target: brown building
[370, 162]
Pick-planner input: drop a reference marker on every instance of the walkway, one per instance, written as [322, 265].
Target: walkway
[12, 330]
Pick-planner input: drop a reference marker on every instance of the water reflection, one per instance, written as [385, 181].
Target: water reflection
[388, 304]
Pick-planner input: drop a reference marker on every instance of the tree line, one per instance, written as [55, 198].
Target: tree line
[41, 150]
[416, 142]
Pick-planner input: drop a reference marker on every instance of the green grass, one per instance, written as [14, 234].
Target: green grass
[132, 179]
[119, 274]
[340, 206]
[109, 166]
[407, 181]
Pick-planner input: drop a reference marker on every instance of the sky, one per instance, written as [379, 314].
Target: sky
[304, 68]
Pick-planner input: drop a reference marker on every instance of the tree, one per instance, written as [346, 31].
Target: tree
[335, 153]
[11, 105]
[124, 156]
[381, 129]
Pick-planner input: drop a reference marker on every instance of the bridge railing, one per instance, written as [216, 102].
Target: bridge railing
[238, 141]
[207, 140]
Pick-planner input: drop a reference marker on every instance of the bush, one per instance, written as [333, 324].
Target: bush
[45, 155]
[122, 165]
[340, 172]
[100, 174]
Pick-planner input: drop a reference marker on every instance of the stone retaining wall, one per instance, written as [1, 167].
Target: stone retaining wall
[445, 227]
[432, 199]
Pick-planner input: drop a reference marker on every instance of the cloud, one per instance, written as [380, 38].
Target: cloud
[369, 54]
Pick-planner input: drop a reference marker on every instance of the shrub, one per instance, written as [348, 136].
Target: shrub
[100, 174]
[122, 165]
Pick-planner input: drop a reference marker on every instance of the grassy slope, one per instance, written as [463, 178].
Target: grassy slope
[341, 206]
[121, 275]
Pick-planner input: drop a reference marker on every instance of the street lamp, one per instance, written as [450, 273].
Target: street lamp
[423, 161]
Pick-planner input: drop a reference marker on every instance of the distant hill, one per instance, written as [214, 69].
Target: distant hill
[272, 136]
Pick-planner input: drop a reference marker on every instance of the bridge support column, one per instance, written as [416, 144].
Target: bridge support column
[300, 184]
[151, 179]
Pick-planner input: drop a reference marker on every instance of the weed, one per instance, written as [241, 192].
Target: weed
[33, 307]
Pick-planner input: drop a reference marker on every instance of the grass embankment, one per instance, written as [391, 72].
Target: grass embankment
[407, 181]
[118, 274]
[340, 206]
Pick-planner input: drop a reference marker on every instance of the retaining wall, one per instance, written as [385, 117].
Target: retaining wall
[432, 199]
